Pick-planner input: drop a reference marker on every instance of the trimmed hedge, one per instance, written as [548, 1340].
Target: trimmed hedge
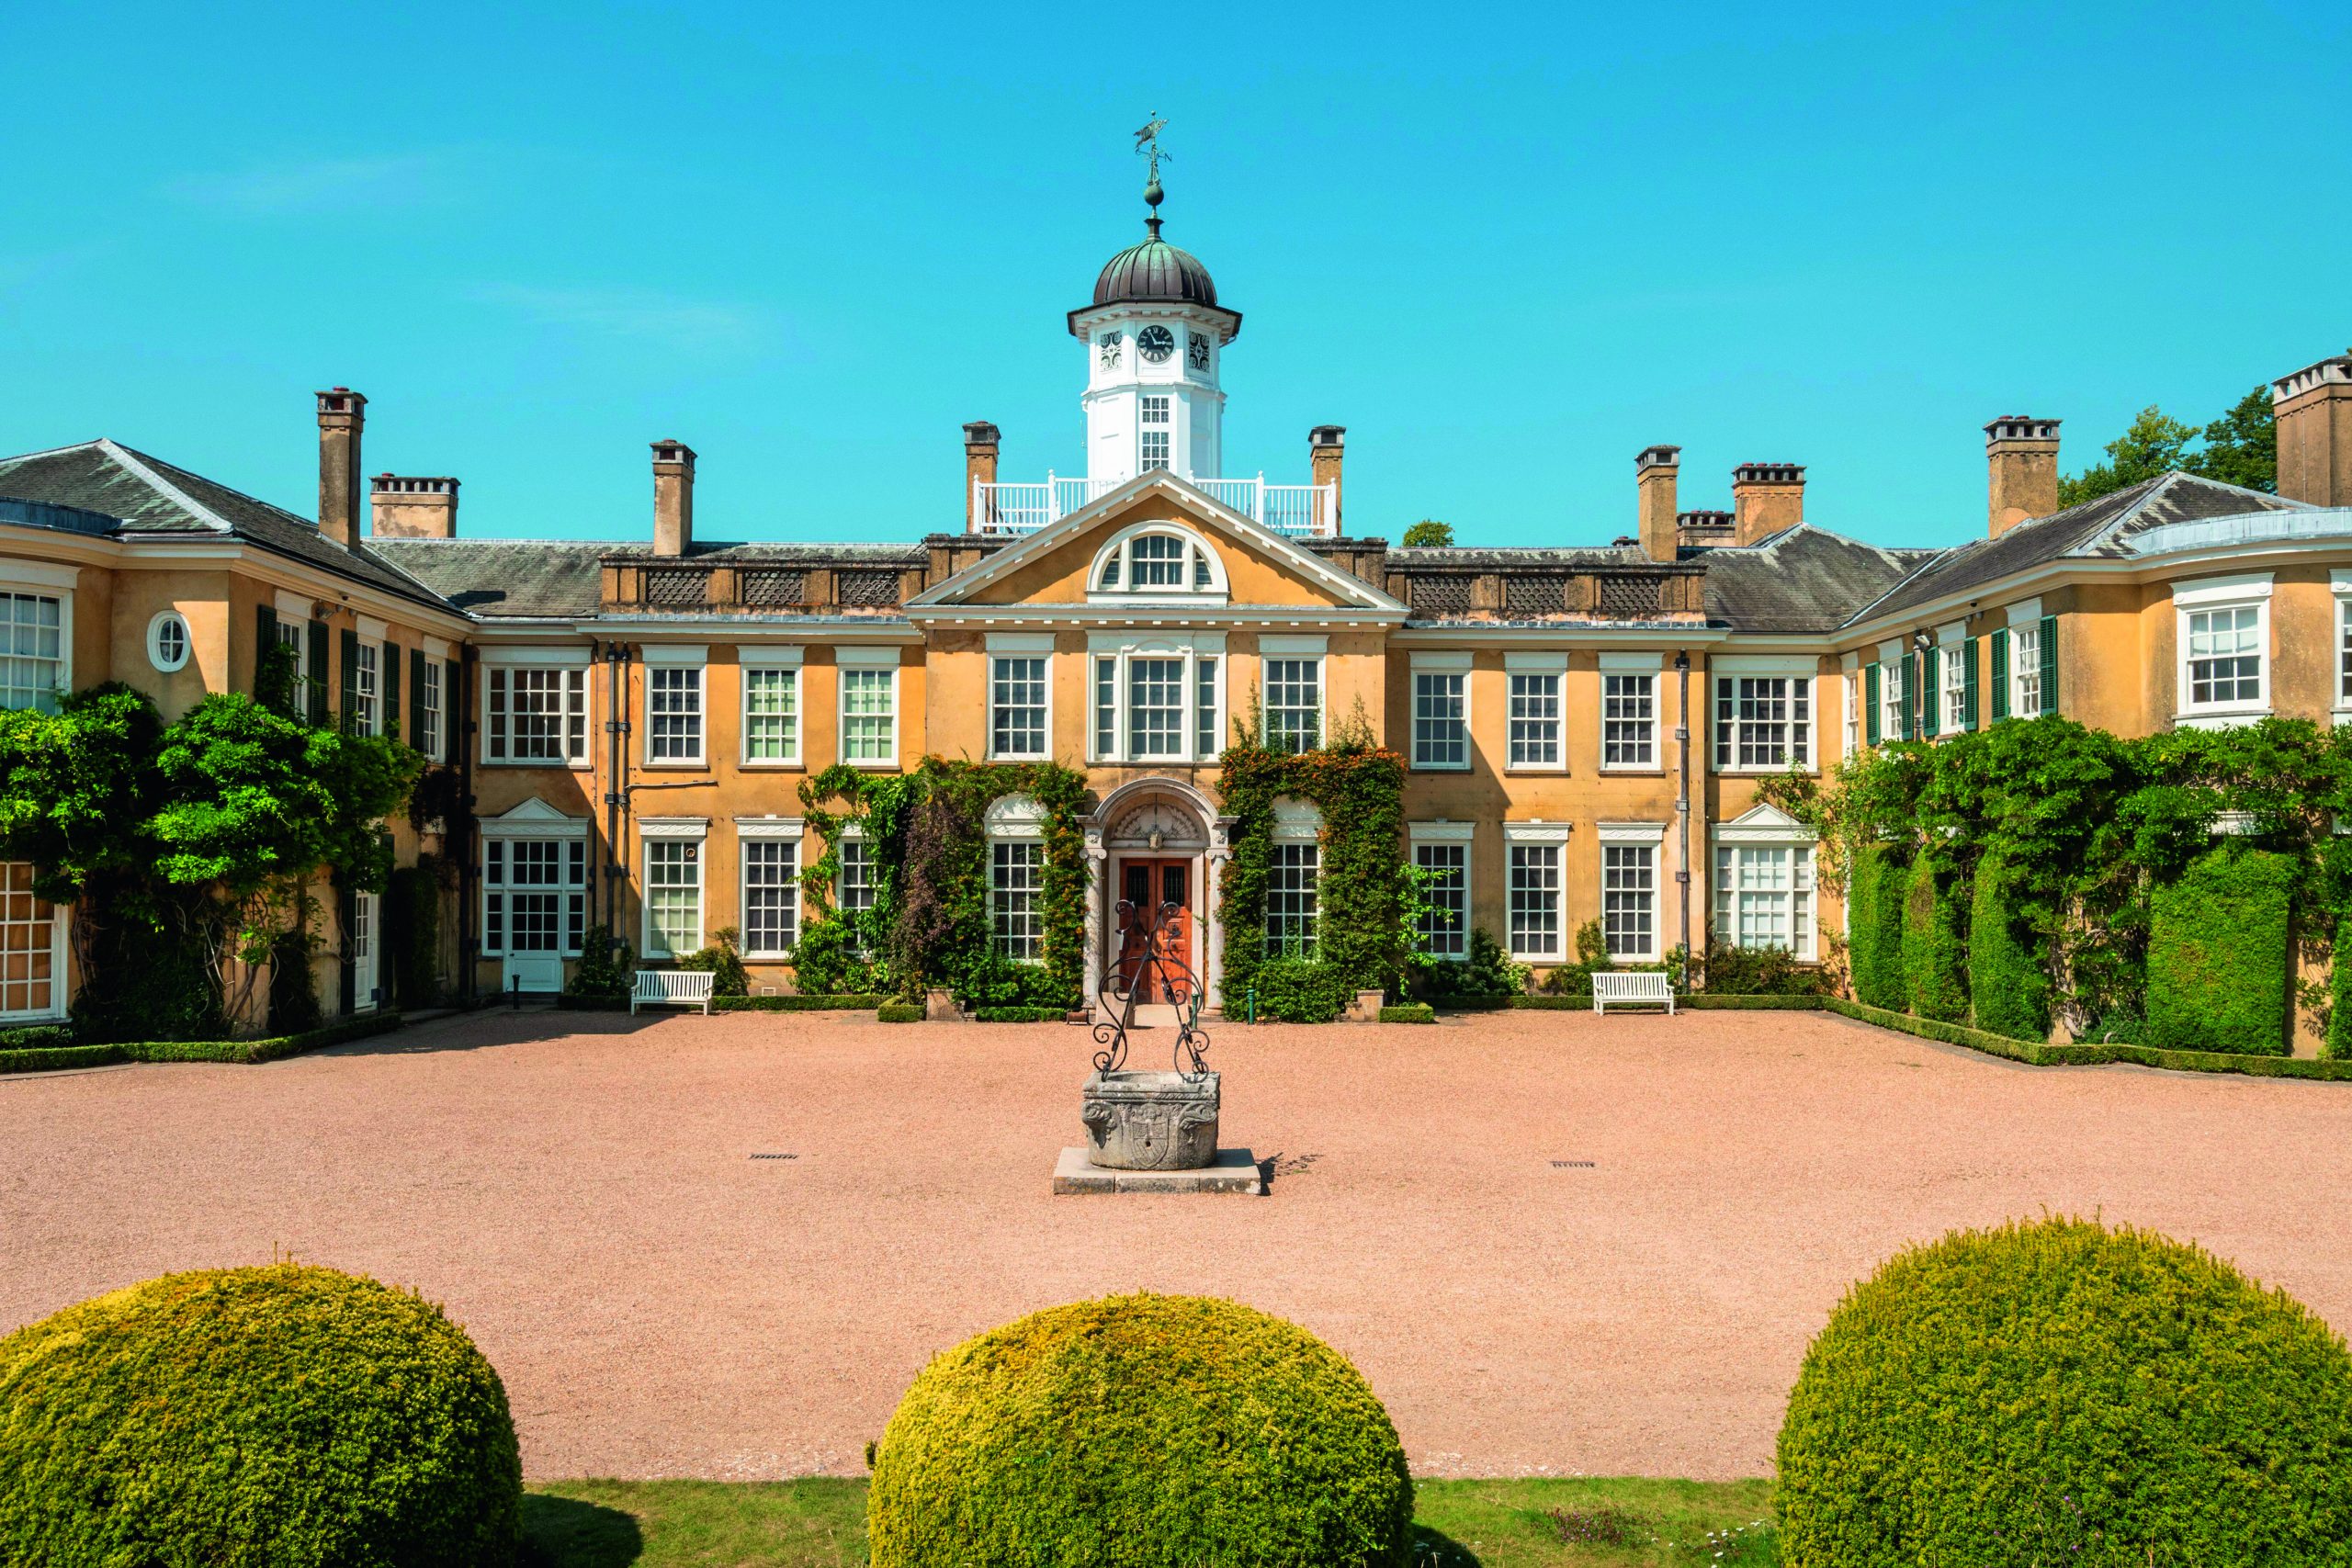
[2092, 1053]
[1301, 990]
[245, 1053]
[2339, 995]
[1717, 1002]
[1409, 1013]
[1143, 1432]
[901, 1012]
[37, 1036]
[1874, 939]
[1020, 1015]
[1935, 945]
[2056, 1392]
[2220, 970]
[287, 1416]
[2007, 991]
[815, 1002]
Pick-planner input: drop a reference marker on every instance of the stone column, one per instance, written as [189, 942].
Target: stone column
[1095, 857]
[1213, 905]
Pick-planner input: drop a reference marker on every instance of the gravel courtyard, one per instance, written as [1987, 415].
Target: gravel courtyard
[580, 1191]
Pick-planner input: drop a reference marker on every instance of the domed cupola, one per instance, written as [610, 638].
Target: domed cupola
[1155, 339]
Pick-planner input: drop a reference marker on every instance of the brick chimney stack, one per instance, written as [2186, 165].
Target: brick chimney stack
[673, 498]
[981, 440]
[2021, 461]
[1765, 499]
[1654, 471]
[343, 413]
[2313, 408]
[412, 507]
[1327, 449]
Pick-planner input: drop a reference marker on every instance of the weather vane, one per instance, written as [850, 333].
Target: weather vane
[1147, 145]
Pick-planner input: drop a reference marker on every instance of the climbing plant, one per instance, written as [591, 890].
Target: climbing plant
[930, 923]
[1365, 892]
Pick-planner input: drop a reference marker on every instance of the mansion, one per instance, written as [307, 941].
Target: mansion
[1585, 725]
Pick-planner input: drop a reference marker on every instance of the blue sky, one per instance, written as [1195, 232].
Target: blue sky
[1507, 249]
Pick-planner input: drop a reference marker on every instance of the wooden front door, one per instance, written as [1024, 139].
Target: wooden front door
[1147, 885]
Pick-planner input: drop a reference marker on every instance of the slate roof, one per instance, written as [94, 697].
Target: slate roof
[2101, 527]
[151, 497]
[1800, 580]
[511, 579]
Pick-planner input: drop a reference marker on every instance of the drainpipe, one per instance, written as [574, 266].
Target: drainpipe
[464, 726]
[616, 784]
[1682, 805]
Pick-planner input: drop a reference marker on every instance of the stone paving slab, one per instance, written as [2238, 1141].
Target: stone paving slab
[1233, 1171]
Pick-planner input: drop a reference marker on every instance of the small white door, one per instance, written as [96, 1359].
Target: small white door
[366, 951]
[534, 958]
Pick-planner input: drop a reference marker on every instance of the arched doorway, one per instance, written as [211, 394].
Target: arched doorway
[1154, 841]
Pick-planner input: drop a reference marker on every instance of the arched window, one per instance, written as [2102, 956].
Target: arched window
[1158, 559]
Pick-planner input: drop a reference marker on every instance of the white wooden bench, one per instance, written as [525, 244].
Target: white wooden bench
[671, 988]
[1624, 985]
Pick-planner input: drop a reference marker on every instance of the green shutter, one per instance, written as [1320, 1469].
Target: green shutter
[452, 707]
[416, 698]
[2000, 674]
[318, 670]
[1968, 685]
[350, 682]
[1910, 696]
[264, 638]
[391, 693]
[2050, 664]
[1870, 675]
[1931, 691]
[346, 914]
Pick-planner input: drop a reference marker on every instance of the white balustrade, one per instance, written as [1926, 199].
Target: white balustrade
[1300, 511]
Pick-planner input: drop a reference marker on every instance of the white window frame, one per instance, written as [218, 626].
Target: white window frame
[1001, 645]
[1271, 649]
[2340, 586]
[1287, 844]
[1438, 671]
[1538, 667]
[368, 686]
[2025, 621]
[750, 831]
[1518, 836]
[866, 660]
[686, 670]
[1850, 690]
[1007, 831]
[665, 831]
[1620, 837]
[16, 881]
[1802, 674]
[1804, 889]
[1638, 666]
[432, 704]
[1460, 837]
[1164, 405]
[1893, 665]
[753, 662]
[850, 835]
[2211, 595]
[39, 580]
[505, 666]
[169, 621]
[1186, 589]
[1118, 652]
[565, 832]
[1951, 677]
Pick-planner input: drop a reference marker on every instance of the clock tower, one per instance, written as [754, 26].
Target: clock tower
[1155, 338]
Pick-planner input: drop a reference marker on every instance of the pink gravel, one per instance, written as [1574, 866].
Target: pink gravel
[578, 1190]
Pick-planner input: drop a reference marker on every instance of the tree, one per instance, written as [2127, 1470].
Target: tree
[2242, 446]
[1429, 531]
[2152, 446]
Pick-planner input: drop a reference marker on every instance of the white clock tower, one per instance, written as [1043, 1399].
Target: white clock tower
[1155, 337]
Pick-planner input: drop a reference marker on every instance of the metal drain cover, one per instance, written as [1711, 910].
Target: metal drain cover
[776, 1156]
[1572, 1165]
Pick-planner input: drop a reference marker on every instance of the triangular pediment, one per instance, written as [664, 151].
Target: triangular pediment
[532, 810]
[1058, 565]
[1763, 823]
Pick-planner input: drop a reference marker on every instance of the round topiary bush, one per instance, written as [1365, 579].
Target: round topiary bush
[286, 1415]
[1140, 1432]
[2057, 1391]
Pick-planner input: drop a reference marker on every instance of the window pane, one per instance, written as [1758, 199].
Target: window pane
[673, 700]
[1156, 561]
[539, 714]
[855, 892]
[771, 895]
[1106, 707]
[1016, 876]
[1445, 928]
[1153, 451]
[1534, 721]
[1209, 742]
[1441, 735]
[1629, 900]
[1155, 708]
[1290, 898]
[673, 895]
[27, 946]
[1535, 900]
[1017, 707]
[772, 714]
[1293, 705]
[869, 722]
[1628, 721]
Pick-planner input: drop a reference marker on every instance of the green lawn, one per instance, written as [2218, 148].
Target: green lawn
[1464, 1524]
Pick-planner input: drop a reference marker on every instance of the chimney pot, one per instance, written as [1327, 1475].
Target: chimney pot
[673, 497]
[2021, 471]
[1327, 446]
[982, 441]
[343, 416]
[1656, 470]
[2313, 410]
[1766, 499]
[412, 506]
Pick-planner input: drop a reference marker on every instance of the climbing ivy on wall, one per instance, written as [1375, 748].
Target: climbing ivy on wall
[930, 923]
[1364, 891]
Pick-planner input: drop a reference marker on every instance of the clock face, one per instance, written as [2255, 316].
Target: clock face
[1108, 351]
[1156, 344]
[1197, 351]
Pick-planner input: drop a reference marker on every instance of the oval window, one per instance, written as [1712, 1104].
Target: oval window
[167, 641]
